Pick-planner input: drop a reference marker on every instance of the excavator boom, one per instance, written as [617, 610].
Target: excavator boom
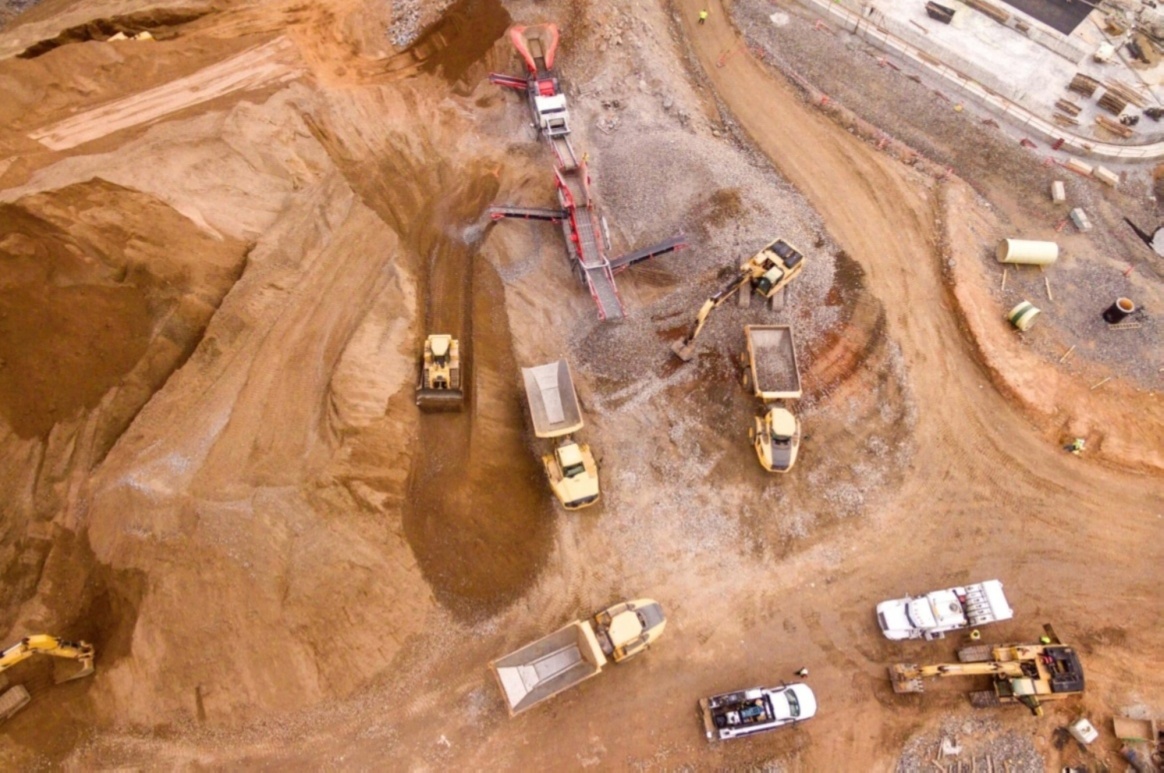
[685, 349]
[43, 644]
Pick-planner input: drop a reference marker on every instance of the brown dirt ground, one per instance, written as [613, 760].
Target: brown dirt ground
[217, 474]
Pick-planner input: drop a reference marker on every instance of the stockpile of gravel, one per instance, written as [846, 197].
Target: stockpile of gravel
[981, 740]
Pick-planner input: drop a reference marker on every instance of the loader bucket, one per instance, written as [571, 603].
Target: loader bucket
[684, 349]
[440, 399]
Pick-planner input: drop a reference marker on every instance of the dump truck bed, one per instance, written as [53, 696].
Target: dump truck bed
[549, 665]
[772, 355]
[553, 403]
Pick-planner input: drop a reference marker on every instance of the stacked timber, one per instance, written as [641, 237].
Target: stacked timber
[1068, 107]
[1115, 127]
[939, 12]
[991, 10]
[1083, 84]
[1125, 92]
[1112, 102]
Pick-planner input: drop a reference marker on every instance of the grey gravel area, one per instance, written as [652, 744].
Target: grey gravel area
[1090, 273]
[410, 17]
[981, 739]
[10, 9]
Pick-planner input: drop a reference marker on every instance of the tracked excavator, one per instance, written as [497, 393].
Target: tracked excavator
[440, 375]
[767, 272]
[1030, 674]
[17, 698]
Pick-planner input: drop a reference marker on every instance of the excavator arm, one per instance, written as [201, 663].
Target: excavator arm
[685, 349]
[43, 644]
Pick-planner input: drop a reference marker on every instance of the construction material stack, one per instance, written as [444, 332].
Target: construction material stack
[775, 378]
[554, 409]
[576, 652]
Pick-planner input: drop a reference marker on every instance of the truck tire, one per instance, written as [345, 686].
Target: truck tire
[978, 653]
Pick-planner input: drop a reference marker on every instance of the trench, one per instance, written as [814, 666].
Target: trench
[477, 516]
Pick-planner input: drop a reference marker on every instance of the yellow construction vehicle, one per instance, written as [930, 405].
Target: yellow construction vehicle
[767, 272]
[775, 378]
[1030, 674]
[439, 387]
[554, 408]
[17, 698]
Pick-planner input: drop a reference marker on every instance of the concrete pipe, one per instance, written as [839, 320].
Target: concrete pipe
[1023, 316]
[1031, 253]
[1118, 310]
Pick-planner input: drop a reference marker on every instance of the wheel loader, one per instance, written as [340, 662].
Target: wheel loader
[767, 272]
[1030, 674]
[439, 387]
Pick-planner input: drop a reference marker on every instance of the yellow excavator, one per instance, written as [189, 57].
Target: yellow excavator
[767, 272]
[1030, 674]
[17, 698]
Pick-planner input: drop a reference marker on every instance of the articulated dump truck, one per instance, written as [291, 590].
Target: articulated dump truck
[554, 409]
[775, 378]
[576, 652]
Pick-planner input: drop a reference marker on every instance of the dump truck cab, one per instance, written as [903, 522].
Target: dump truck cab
[629, 628]
[573, 475]
[776, 438]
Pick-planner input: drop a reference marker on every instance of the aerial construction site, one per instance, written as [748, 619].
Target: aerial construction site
[749, 384]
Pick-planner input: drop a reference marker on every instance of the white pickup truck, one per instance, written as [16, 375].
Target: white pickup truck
[736, 714]
[932, 615]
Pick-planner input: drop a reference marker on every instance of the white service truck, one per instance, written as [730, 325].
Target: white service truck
[746, 712]
[953, 609]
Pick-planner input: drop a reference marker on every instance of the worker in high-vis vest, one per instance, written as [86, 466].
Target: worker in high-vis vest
[702, 16]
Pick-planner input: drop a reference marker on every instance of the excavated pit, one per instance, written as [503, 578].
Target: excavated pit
[162, 23]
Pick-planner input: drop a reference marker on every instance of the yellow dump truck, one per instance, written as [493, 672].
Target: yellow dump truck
[775, 379]
[554, 409]
[576, 652]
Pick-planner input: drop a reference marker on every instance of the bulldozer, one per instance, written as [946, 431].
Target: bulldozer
[439, 387]
[1030, 674]
[767, 272]
[17, 698]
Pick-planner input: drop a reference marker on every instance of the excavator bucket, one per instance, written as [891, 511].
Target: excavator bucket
[904, 678]
[85, 670]
[684, 349]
